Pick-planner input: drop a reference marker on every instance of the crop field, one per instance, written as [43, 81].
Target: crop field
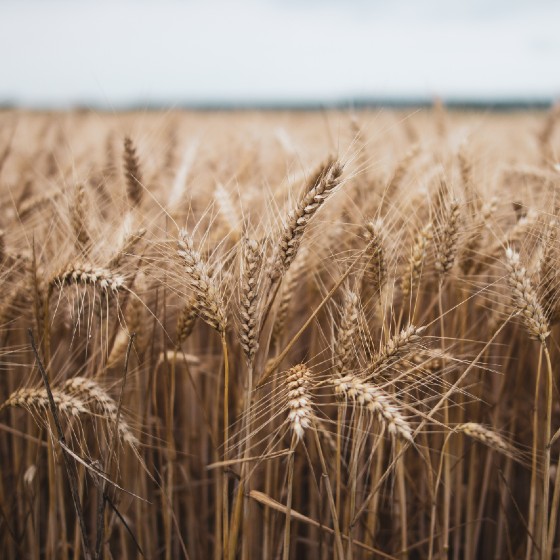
[279, 335]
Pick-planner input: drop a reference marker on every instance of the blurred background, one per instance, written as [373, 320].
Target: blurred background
[164, 53]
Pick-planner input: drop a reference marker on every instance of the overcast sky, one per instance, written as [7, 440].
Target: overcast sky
[116, 52]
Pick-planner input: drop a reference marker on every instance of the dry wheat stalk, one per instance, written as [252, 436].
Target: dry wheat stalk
[208, 301]
[375, 400]
[525, 298]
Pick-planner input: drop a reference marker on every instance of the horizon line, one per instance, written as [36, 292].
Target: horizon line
[496, 103]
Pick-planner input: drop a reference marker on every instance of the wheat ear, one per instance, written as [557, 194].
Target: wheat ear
[35, 400]
[485, 435]
[447, 237]
[376, 271]
[87, 274]
[525, 298]
[376, 401]
[126, 249]
[78, 217]
[132, 173]
[416, 260]
[299, 218]
[251, 262]
[185, 322]
[344, 344]
[299, 404]
[208, 301]
[473, 244]
[94, 395]
[289, 286]
[394, 348]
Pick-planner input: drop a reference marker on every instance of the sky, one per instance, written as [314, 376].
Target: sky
[114, 53]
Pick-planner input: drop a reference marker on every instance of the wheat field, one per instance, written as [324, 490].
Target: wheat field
[279, 335]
